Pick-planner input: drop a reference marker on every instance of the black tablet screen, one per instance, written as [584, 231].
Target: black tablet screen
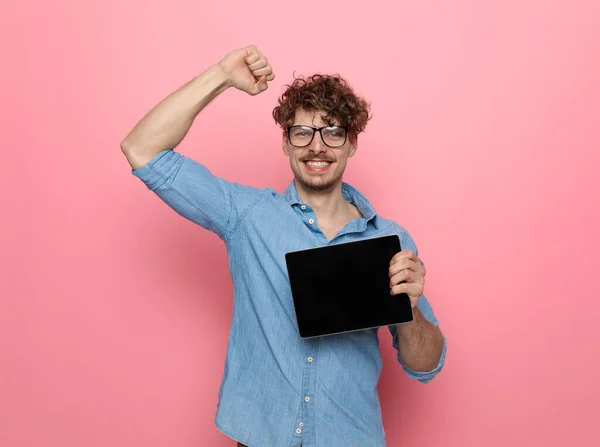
[345, 287]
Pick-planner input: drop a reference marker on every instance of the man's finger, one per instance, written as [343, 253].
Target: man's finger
[260, 63]
[404, 275]
[262, 71]
[406, 287]
[252, 55]
[409, 254]
[405, 263]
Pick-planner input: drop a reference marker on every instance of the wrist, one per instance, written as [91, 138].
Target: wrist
[416, 317]
[407, 331]
[224, 78]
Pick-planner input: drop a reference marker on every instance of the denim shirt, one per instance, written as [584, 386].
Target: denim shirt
[277, 389]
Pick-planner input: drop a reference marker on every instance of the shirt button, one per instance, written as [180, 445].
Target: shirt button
[301, 424]
[310, 359]
[303, 207]
[306, 399]
[311, 221]
[298, 431]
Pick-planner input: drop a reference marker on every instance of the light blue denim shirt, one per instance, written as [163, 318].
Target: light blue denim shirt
[279, 390]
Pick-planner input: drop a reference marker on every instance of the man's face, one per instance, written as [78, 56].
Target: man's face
[317, 167]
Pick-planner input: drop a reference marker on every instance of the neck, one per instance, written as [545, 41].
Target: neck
[327, 203]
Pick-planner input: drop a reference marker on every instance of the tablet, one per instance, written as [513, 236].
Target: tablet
[346, 287]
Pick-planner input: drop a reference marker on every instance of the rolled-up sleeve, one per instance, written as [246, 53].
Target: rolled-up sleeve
[427, 311]
[195, 193]
[421, 376]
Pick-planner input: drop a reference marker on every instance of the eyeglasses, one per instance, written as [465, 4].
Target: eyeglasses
[302, 136]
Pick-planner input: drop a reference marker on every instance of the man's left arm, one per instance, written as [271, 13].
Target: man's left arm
[420, 343]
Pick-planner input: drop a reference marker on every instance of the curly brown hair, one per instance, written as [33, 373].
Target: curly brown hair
[327, 93]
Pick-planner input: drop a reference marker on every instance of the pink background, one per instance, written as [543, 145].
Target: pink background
[485, 143]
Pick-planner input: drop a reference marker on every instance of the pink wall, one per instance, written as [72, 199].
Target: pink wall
[484, 144]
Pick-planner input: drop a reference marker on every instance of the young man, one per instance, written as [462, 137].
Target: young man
[279, 390]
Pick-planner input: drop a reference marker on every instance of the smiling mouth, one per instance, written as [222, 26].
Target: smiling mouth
[317, 165]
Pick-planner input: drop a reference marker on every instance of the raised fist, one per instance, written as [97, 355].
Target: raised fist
[247, 70]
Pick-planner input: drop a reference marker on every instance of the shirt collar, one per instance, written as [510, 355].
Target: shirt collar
[350, 193]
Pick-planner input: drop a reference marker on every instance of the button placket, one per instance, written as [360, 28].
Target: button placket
[306, 420]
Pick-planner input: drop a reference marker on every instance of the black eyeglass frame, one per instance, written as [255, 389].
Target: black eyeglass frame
[315, 131]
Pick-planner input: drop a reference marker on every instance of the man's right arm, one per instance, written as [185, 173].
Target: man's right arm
[165, 126]
[185, 185]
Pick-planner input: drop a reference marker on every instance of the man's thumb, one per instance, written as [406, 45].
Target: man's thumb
[262, 83]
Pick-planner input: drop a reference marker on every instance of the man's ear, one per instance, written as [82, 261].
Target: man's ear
[353, 140]
[284, 144]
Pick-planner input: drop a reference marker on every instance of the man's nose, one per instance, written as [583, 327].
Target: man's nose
[318, 145]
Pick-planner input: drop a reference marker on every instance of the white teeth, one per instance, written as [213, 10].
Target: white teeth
[317, 164]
